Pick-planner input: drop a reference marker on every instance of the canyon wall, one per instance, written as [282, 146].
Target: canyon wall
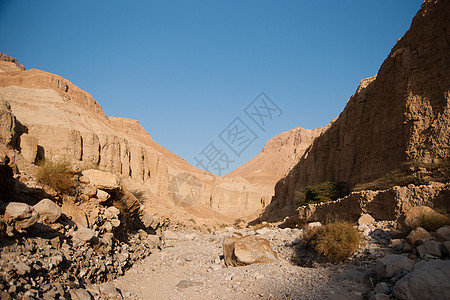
[400, 115]
[58, 119]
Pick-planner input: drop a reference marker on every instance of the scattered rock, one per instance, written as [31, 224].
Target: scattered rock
[102, 195]
[365, 219]
[382, 288]
[246, 250]
[84, 234]
[80, 294]
[314, 225]
[184, 284]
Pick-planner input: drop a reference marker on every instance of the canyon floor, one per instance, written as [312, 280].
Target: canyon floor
[191, 266]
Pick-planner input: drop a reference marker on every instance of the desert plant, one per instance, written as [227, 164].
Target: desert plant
[56, 173]
[140, 195]
[322, 192]
[335, 241]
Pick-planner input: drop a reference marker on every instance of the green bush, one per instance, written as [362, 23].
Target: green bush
[56, 174]
[335, 241]
[323, 192]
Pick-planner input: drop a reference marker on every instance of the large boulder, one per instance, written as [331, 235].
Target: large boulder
[48, 210]
[391, 265]
[102, 180]
[443, 234]
[429, 280]
[20, 215]
[247, 250]
[417, 215]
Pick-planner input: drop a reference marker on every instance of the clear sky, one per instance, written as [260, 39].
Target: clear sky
[187, 69]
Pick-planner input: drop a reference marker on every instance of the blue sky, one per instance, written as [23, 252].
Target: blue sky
[186, 69]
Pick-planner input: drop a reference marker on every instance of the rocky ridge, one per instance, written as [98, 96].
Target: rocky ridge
[399, 116]
[54, 118]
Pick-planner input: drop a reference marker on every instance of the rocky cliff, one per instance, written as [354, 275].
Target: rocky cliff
[277, 157]
[400, 115]
[46, 116]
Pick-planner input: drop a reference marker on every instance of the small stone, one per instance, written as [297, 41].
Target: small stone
[184, 284]
[365, 219]
[314, 225]
[443, 234]
[432, 248]
[414, 237]
[22, 268]
[84, 179]
[382, 288]
[115, 223]
[112, 212]
[80, 294]
[84, 234]
[102, 195]
[381, 297]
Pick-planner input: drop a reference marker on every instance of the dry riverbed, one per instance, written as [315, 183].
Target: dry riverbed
[191, 266]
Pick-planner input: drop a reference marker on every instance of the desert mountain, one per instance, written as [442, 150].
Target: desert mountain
[277, 157]
[50, 117]
[396, 120]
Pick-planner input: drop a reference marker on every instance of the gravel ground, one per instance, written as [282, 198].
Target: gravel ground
[191, 267]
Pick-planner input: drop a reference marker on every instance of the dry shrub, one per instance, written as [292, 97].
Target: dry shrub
[334, 241]
[432, 222]
[56, 174]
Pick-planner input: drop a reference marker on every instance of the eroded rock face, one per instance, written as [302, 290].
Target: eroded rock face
[391, 204]
[402, 114]
[61, 120]
[247, 250]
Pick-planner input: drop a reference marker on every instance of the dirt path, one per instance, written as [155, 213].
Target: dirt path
[192, 268]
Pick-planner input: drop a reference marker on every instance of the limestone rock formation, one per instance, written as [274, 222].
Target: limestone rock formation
[277, 157]
[46, 116]
[399, 116]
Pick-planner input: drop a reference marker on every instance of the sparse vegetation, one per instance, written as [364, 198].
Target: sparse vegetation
[56, 174]
[334, 241]
[140, 195]
[323, 192]
[410, 173]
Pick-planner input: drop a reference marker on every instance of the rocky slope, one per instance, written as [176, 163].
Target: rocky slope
[277, 157]
[400, 115]
[47, 116]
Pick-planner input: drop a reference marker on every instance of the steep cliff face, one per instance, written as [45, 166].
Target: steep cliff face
[47, 116]
[400, 115]
[277, 157]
